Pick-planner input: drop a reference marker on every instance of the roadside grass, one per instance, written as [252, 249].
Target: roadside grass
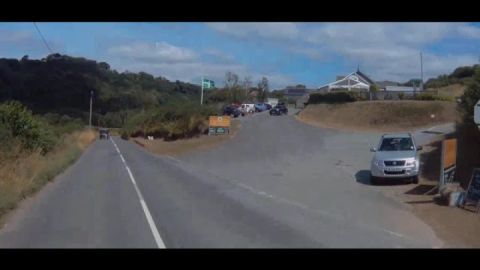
[183, 146]
[24, 173]
[380, 116]
[453, 90]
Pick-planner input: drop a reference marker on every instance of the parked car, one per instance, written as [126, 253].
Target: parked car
[269, 107]
[247, 108]
[279, 110]
[396, 157]
[231, 111]
[260, 107]
[103, 133]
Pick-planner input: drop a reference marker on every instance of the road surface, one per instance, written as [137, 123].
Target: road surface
[278, 183]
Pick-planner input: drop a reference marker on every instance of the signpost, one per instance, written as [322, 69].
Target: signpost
[473, 191]
[448, 162]
[206, 84]
[219, 125]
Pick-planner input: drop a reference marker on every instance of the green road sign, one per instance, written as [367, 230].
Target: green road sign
[207, 84]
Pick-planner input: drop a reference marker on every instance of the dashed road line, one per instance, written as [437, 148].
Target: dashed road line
[151, 223]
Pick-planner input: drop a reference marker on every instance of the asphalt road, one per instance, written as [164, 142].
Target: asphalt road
[278, 183]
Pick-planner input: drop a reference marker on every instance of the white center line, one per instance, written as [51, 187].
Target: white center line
[151, 223]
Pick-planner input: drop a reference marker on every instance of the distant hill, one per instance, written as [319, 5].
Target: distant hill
[461, 75]
[62, 84]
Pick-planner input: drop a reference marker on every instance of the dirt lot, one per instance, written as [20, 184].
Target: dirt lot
[379, 116]
[183, 146]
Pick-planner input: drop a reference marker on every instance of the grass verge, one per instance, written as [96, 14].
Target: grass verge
[379, 116]
[184, 146]
[22, 174]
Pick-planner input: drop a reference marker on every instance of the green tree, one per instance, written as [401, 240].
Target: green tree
[471, 95]
[263, 89]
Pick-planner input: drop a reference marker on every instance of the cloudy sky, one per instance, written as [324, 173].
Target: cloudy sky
[286, 53]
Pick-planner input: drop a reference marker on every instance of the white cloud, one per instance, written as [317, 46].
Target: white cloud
[192, 72]
[178, 63]
[282, 30]
[15, 37]
[469, 31]
[219, 55]
[159, 52]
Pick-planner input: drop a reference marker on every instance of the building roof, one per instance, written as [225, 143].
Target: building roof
[295, 91]
[355, 79]
[400, 89]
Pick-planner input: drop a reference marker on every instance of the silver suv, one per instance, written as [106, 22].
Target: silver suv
[396, 157]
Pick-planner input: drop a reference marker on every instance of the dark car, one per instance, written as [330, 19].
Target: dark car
[279, 110]
[269, 107]
[104, 133]
[231, 111]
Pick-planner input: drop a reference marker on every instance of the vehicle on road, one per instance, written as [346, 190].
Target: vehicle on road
[272, 102]
[104, 133]
[397, 157]
[247, 108]
[260, 107]
[269, 107]
[279, 110]
[231, 111]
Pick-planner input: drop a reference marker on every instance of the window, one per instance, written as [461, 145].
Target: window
[396, 144]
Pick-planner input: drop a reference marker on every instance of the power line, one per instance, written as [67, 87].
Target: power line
[43, 39]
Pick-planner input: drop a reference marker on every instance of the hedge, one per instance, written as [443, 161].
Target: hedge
[337, 97]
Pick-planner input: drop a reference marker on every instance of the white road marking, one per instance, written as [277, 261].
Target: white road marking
[151, 223]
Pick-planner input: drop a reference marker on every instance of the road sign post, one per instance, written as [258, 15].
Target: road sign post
[219, 125]
[206, 84]
[448, 162]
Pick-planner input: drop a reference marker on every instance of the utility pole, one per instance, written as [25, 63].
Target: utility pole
[421, 72]
[201, 97]
[91, 101]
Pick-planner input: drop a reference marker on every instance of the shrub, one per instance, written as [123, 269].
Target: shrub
[401, 95]
[430, 96]
[20, 123]
[337, 97]
[177, 120]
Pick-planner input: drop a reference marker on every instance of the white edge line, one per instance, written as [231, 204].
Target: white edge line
[151, 223]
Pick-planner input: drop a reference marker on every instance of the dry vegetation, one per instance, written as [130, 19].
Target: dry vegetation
[453, 90]
[382, 116]
[183, 146]
[23, 173]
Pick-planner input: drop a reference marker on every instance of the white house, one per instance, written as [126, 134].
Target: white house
[355, 81]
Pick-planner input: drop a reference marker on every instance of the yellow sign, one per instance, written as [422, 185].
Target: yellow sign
[219, 121]
[450, 153]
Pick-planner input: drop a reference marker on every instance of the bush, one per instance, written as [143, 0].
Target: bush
[338, 97]
[429, 96]
[401, 96]
[177, 120]
[19, 123]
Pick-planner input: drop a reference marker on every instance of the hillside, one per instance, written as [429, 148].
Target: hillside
[382, 116]
[61, 84]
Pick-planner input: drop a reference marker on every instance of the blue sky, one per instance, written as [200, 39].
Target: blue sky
[286, 53]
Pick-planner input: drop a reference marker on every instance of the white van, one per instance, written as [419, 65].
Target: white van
[272, 101]
[247, 108]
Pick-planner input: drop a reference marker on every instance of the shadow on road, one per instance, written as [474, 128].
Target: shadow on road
[363, 177]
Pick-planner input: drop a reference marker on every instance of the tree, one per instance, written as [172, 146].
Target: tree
[263, 89]
[231, 80]
[471, 95]
[247, 84]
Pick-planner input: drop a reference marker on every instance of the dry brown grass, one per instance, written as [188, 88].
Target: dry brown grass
[183, 146]
[379, 116]
[454, 90]
[23, 173]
